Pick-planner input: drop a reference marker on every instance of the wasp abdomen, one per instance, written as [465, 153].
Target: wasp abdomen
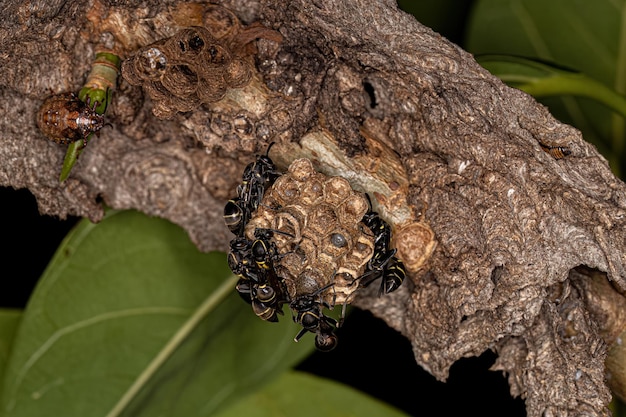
[557, 152]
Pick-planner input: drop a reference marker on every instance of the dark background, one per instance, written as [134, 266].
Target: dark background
[370, 356]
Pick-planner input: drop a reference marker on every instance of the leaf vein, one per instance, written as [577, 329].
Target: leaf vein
[57, 335]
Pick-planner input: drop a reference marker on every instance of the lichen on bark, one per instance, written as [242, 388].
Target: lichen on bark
[365, 91]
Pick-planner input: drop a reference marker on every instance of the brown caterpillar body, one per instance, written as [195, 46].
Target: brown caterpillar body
[64, 119]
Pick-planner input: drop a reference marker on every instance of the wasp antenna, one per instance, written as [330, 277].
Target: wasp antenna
[267, 152]
[271, 208]
[280, 232]
[262, 231]
[369, 200]
[321, 290]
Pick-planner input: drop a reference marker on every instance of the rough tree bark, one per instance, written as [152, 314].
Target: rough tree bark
[371, 94]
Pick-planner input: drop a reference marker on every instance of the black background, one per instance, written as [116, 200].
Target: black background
[370, 356]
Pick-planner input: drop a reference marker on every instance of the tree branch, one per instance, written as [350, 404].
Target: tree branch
[368, 93]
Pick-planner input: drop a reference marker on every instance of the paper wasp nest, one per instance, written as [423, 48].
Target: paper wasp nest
[181, 72]
[318, 232]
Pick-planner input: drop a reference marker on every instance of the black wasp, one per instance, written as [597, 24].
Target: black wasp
[308, 313]
[265, 301]
[269, 294]
[240, 259]
[387, 266]
[383, 264]
[252, 260]
[380, 228]
[235, 217]
[264, 251]
[257, 176]
[259, 286]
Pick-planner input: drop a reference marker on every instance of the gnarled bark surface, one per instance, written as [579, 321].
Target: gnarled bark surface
[368, 93]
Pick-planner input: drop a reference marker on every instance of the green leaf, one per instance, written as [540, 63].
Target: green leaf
[585, 36]
[71, 156]
[303, 395]
[617, 407]
[130, 319]
[9, 321]
[543, 80]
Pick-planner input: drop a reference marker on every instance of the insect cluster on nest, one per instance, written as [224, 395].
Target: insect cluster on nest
[307, 240]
